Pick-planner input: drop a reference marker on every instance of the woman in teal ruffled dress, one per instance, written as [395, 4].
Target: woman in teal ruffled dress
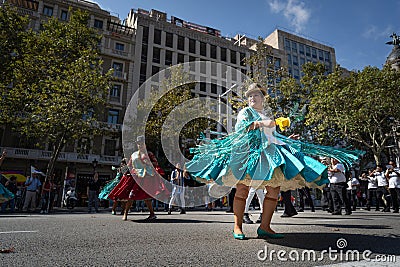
[112, 184]
[256, 155]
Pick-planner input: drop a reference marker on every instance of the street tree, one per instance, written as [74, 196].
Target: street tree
[59, 89]
[174, 114]
[361, 107]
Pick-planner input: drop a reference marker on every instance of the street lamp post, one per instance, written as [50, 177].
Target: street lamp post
[219, 128]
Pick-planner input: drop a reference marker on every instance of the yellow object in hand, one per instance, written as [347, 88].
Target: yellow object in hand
[283, 123]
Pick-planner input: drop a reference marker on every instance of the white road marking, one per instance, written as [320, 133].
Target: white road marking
[16, 232]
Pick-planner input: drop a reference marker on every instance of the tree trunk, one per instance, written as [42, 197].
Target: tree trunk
[54, 156]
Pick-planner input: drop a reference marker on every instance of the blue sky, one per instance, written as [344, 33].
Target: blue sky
[357, 29]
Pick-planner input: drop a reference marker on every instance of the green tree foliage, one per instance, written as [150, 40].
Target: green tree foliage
[13, 32]
[361, 107]
[169, 106]
[58, 87]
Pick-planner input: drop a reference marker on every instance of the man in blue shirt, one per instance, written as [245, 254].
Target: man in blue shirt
[32, 188]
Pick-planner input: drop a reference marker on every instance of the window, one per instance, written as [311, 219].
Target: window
[145, 37]
[213, 69]
[203, 49]
[233, 57]
[118, 68]
[109, 147]
[308, 51]
[168, 57]
[294, 46]
[48, 11]
[295, 61]
[289, 59]
[302, 61]
[301, 49]
[169, 39]
[242, 57]
[144, 52]
[115, 92]
[327, 56]
[113, 115]
[156, 54]
[181, 43]
[64, 15]
[84, 146]
[98, 24]
[203, 86]
[154, 70]
[287, 44]
[214, 87]
[192, 46]
[181, 58]
[213, 51]
[314, 52]
[157, 36]
[321, 55]
[119, 47]
[223, 54]
[191, 59]
[143, 72]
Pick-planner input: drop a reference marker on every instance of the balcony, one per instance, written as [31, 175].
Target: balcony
[25, 7]
[110, 126]
[36, 154]
[119, 30]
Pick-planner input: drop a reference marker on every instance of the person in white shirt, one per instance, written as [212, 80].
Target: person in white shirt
[381, 191]
[393, 175]
[353, 185]
[371, 189]
[338, 187]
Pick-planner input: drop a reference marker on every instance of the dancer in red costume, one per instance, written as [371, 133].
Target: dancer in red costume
[141, 183]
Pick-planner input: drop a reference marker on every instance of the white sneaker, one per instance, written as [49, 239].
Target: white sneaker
[42, 211]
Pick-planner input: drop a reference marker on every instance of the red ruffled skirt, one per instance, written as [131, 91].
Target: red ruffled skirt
[129, 189]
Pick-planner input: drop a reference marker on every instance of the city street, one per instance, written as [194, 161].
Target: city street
[198, 238]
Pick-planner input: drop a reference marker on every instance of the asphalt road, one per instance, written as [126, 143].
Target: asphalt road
[198, 238]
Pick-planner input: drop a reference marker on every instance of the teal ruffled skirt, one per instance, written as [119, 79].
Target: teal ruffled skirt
[109, 187]
[5, 194]
[229, 162]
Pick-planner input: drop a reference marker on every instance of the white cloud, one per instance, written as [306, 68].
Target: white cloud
[374, 32]
[293, 10]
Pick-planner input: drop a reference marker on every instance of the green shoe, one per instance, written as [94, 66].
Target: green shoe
[238, 236]
[264, 234]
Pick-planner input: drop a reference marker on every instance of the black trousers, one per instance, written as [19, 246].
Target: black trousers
[286, 199]
[352, 196]
[339, 196]
[383, 192]
[326, 199]
[371, 193]
[395, 192]
[305, 192]
[231, 196]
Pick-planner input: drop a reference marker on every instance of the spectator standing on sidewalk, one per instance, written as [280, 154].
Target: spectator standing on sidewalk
[46, 190]
[93, 192]
[32, 188]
